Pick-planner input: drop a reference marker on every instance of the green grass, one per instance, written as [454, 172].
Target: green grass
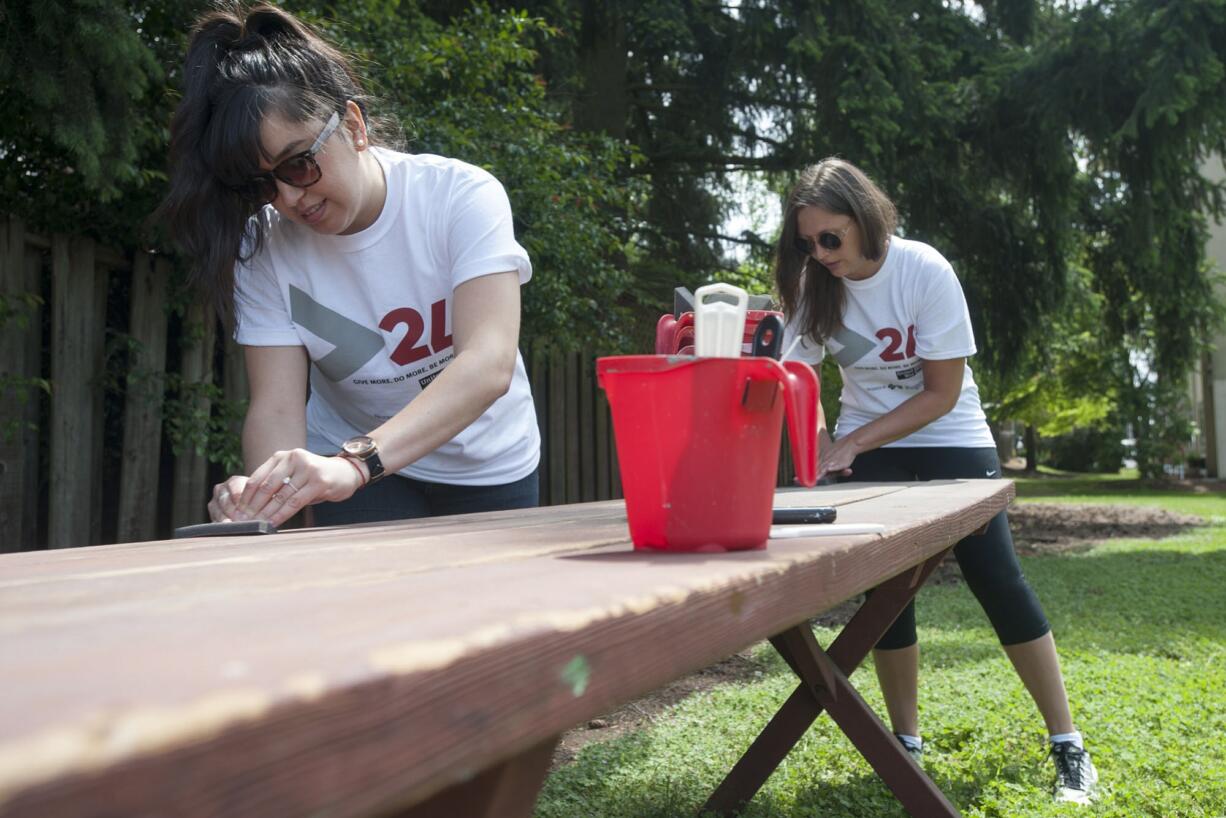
[1141, 627]
[1121, 489]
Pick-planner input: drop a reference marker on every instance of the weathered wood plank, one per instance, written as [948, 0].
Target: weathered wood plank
[76, 356]
[102, 255]
[98, 415]
[615, 467]
[556, 423]
[587, 428]
[604, 440]
[236, 388]
[573, 443]
[434, 543]
[36, 403]
[18, 401]
[537, 377]
[506, 790]
[191, 465]
[347, 671]
[234, 377]
[787, 466]
[142, 435]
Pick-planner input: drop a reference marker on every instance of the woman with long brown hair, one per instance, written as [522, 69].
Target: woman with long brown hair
[891, 312]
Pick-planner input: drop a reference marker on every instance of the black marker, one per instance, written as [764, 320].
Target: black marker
[803, 515]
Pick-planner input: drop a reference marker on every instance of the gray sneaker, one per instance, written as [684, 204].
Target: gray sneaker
[916, 753]
[1076, 778]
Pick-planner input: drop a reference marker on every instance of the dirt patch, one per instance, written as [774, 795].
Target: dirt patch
[1038, 529]
[1055, 528]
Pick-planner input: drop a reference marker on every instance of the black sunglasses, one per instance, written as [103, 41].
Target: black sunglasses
[827, 240]
[299, 170]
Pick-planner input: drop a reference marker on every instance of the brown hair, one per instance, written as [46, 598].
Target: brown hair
[839, 187]
[241, 66]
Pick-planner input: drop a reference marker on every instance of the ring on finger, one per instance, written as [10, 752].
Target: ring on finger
[286, 481]
[223, 495]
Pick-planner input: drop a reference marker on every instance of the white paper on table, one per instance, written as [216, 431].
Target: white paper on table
[783, 532]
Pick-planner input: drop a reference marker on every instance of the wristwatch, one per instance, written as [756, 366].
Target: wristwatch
[366, 450]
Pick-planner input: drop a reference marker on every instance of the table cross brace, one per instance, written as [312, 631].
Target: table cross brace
[825, 686]
[506, 790]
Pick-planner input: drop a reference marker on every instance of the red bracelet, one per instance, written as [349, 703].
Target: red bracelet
[361, 476]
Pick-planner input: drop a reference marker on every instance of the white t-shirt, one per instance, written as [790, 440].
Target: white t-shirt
[911, 310]
[373, 310]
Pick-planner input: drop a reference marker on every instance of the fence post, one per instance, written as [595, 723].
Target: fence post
[235, 387]
[615, 473]
[537, 371]
[98, 395]
[76, 361]
[37, 401]
[191, 467]
[574, 451]
[146, 386]
[587, 425]
[604, 438]
[556, 423]
[19, 349]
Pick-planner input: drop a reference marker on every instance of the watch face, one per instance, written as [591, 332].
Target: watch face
[360, 446]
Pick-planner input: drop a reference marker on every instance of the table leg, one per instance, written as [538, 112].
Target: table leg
[834, 692]
[506, 790]
[825, 687]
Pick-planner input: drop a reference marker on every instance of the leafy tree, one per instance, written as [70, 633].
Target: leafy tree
[1069, 390]
[1144, 85]
[1021, 137]
[468, 88]
[1005, 131]
[80, 114]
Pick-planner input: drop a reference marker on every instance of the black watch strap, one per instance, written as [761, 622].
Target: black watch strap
[367, 451]
[374, 465]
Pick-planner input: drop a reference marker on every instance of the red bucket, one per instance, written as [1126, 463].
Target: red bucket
[698, 444]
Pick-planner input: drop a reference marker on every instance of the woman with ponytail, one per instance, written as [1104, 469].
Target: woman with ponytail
[387, 281]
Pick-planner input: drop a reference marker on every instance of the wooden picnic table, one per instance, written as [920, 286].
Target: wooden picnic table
[426, 667]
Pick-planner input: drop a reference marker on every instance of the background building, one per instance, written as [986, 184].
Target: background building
[1209, 385]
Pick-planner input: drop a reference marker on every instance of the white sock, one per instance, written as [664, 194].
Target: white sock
[911, 742]
[1074, 737]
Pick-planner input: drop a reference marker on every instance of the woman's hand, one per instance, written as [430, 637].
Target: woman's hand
[837, 457]
[286, 483]
[942, 387]
[225, 495]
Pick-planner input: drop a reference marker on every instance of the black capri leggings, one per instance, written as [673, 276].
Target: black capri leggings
[988, 561]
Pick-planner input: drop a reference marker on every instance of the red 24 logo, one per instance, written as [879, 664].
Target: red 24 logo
[407, 351]
[894, 337]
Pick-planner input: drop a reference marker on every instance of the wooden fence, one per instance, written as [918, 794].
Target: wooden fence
[71, 471]
[84, 462]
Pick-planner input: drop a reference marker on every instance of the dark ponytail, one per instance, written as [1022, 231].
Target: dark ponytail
[240, 68]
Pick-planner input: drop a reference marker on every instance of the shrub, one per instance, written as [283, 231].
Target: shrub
[1084, 450]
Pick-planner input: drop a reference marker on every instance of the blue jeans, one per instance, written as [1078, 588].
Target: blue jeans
[403, 498]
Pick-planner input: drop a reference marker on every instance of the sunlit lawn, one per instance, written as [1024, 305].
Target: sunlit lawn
[1063, 487]
[1142, 631]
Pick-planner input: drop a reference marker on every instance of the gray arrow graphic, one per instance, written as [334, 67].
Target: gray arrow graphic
[855, 346]
[355, 344]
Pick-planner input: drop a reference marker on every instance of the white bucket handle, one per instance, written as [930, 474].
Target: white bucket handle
[718, 325]
[720, 288]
